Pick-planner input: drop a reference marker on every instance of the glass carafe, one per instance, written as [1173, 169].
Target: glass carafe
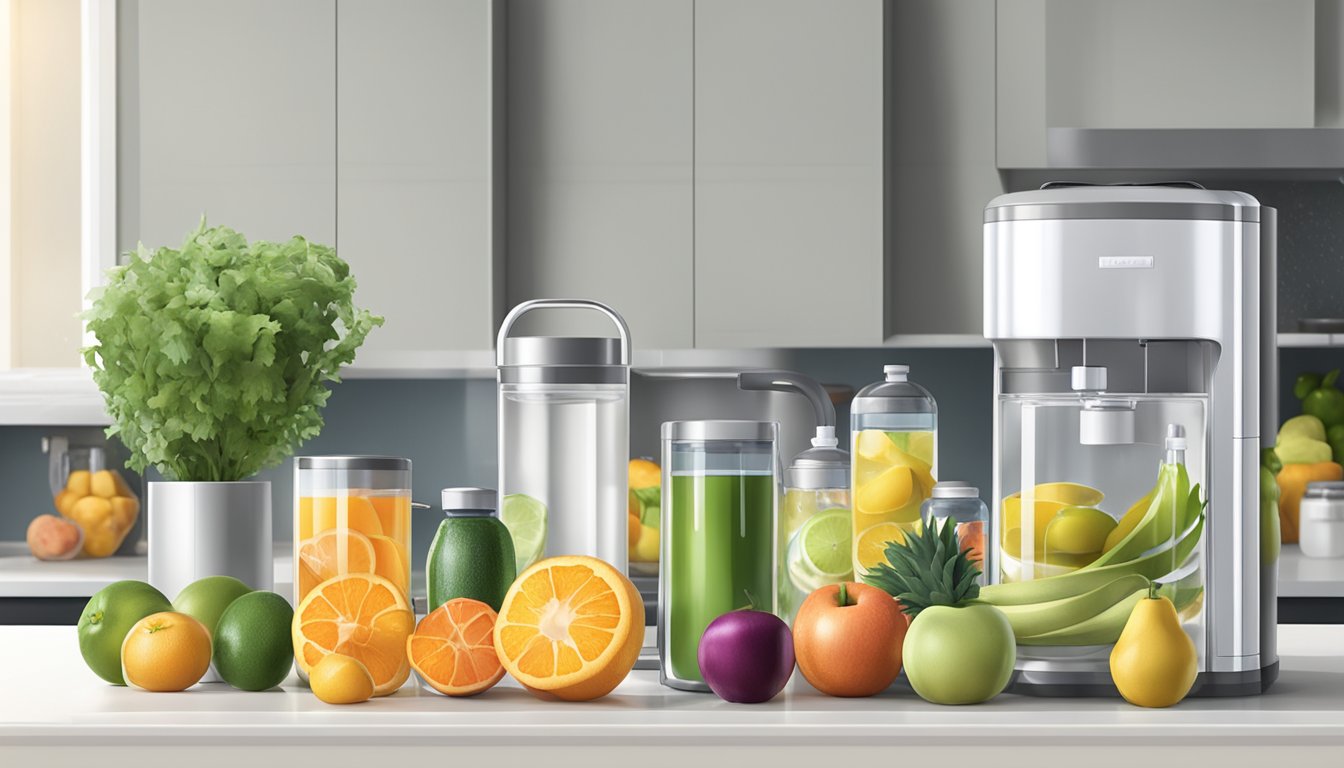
[718, 534]
[894, 428]
[564, 413]
[352, 514]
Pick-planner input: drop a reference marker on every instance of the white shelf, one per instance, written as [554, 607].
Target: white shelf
[1287, 340]
[51, 397]
[1302, 576]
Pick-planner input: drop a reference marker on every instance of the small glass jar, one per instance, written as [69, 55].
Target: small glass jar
[960, 503]
[1321, 520]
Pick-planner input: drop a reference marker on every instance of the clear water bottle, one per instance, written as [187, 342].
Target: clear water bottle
[894, 426]
[960, 504]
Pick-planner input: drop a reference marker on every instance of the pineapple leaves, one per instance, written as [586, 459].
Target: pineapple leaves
[927, 568]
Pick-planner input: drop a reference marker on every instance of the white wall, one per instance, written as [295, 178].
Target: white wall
[43, 282]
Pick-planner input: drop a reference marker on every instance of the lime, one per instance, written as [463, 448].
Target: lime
[205, 599]
[109, 615]
[253, 648]
[525, 517]
[824, 543]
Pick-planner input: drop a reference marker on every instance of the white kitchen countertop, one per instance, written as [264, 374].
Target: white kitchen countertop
[1302, 576]
[50, 700]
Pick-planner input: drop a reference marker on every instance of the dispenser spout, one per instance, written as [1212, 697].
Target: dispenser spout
[791, 381]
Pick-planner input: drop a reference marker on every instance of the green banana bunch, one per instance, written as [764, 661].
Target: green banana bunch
[1033, 619]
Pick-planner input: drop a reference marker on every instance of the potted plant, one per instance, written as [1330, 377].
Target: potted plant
[215, 360]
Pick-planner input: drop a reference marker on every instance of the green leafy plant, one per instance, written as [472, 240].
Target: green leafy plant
[215, 359]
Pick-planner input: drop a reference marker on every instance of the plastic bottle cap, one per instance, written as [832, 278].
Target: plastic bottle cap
[825, 438]
[954, 489]
[896, 372]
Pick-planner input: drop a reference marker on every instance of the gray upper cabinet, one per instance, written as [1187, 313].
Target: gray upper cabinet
[413, 167]
[599, 148]
[1151, 64]
[789, 242]
[233, 108]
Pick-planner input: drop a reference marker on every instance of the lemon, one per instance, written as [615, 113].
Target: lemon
[340, 679]
[885, 493]
[1078, 531]
[525, 517]
[646, 549]
[1069, 494]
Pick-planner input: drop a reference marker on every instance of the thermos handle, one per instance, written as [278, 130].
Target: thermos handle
[528, 306]
[791, 381]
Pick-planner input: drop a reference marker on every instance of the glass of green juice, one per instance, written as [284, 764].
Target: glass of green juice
[720, 493]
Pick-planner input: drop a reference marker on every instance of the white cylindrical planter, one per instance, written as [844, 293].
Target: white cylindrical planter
[209, 529]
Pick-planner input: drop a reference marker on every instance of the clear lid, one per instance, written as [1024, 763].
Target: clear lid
[896, 393]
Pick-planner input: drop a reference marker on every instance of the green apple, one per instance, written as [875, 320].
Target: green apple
[109, 615]
[959, 655]
[205, 599]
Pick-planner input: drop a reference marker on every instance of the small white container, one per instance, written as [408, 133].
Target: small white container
[1321, 520]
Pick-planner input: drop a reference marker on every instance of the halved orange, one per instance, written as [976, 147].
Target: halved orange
[453, 648]
[359, 615]
[394, 514]
[570, 628]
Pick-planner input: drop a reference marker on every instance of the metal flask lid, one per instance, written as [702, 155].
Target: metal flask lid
[563, 359]
[468, 501]
[821, 467]
[954, 489]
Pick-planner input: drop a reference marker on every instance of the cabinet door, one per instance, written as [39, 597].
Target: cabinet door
[413, 119]
[599, 162]
[788, 173]
[236, 119]
[1150, 64]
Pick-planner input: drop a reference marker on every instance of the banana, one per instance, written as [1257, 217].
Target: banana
[1101, 629]
[1151, 566]
[1040, 618]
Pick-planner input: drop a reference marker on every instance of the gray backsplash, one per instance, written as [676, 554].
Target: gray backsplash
[447, 427]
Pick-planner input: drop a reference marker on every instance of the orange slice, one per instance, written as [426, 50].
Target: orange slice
[453, 648]
[362, 616]
[326, 513]
[570, 628]
[333, 553]
[394, 514]
[390, 562]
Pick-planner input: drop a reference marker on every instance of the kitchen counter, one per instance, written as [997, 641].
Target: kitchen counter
[1302, 576]
[54, 709]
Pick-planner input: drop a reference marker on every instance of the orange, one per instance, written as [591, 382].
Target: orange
[323, 513]
[644, 474]
[165, 651]
[332, 553]
[394, 514]
[359, 615]
[390, 562]
[570, 628]
[453, 648]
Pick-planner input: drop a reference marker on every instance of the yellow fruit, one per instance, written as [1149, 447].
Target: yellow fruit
[646, 549]
[1069, 494]
[359, 615]
[1045, 511]
[79, 482]
[644, 474]
[1078, 531]
[874, 445]
[885, 493]
[570, 628]
[871, 545]
[103, 483]
[1154, 663]
[921, 446]
[340, 679]
[165, 651]
[1129, 522]
[65, 503]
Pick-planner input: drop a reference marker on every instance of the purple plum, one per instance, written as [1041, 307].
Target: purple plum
[746, 656]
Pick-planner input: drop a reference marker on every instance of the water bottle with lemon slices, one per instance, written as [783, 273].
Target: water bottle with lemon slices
[894, 426]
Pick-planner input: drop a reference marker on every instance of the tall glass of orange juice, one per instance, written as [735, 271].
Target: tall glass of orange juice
[352, 515]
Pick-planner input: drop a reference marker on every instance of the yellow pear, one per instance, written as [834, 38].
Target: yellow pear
[1154, 663]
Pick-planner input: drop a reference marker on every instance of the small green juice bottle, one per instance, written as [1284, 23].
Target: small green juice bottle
[472, 554]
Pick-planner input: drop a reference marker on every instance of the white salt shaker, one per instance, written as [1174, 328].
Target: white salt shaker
[1321, 520]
